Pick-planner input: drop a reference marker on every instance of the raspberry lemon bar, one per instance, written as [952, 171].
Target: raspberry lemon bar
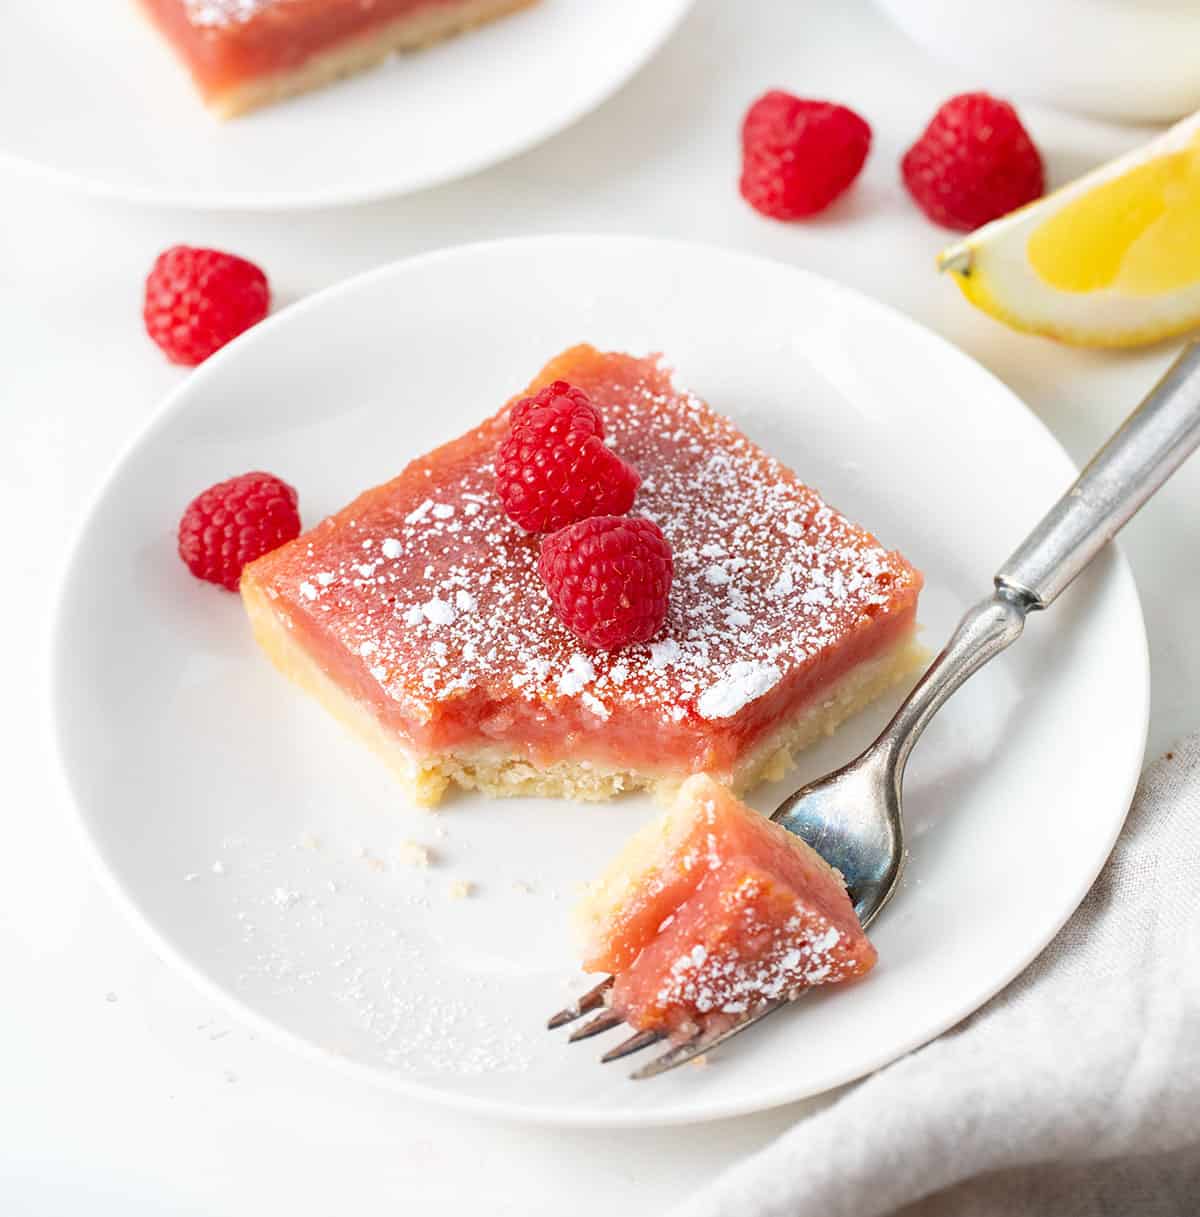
[243, 54]
[711, 910]
[417, 617]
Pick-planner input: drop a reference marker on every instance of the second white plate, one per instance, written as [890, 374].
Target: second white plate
[91, 95]
[260, 847]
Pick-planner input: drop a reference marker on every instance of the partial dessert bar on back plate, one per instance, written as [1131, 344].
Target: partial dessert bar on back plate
[243, 54]
[416, 616]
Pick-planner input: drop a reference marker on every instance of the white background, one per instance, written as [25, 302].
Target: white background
[124, 1090]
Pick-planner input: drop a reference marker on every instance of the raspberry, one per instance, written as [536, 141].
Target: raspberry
[554, 468]
[547, 398]
[197, 300]
[609, 579]
[233, 523]
[974, 162]
[799, 155]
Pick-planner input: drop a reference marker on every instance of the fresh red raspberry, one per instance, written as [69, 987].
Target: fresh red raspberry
[547, 398]
[234, 522]
[973, 163]
[799, 155]
[197, 300]
[554, 468]
[609, 579]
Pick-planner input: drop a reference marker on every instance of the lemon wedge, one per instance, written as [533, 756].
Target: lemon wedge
[1111, 260]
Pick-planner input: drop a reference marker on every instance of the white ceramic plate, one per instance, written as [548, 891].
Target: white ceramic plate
[91, 95]
[258, 845]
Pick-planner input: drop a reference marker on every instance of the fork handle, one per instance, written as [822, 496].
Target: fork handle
[1150, 445]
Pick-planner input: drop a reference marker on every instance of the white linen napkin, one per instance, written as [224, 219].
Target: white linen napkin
[1074, 1093]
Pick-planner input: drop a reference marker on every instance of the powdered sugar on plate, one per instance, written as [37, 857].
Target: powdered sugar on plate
[370, 941]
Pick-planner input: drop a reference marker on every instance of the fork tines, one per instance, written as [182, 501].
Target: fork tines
[678, 1054]
[698, 1045]
[606, 1020]
[593, 999]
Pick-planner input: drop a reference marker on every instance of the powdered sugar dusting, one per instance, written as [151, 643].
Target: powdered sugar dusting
[579, 673]
[365, 942]
[438, 612]
[768, 577]
[742, 683]
[215, 13]
[722, 979]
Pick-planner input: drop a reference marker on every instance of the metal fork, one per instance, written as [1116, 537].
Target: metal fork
[853, 817]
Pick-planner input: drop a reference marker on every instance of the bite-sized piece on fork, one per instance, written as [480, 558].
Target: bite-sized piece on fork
[710, 911]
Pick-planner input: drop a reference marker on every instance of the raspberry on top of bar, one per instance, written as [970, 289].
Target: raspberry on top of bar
[417, 615]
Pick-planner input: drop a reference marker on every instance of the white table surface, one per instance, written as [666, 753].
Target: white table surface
[125, 1090]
